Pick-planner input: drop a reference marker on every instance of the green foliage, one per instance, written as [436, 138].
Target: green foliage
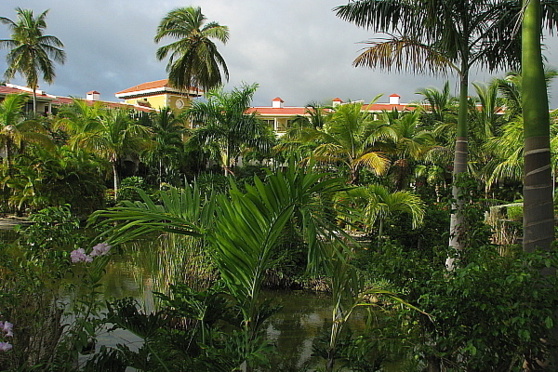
[487, 314]
[53, 233]
[129, 186]
[52, 228]
[493, 311]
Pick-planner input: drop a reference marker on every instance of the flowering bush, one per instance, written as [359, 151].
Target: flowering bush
[79, 255]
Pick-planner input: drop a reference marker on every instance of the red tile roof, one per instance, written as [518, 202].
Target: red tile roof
[9, 90]
[151, 86]
[388, 107]
[276, 111]
[145, 86]
[293, 111]
[16, 90]
[59, 100]
[90, 102]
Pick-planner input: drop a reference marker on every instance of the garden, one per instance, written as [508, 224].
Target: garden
[195, 240]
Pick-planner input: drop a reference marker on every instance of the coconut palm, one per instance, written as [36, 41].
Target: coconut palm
[31, 53]
[223, 128]
[193, 58]
[115, 136]
[438, 35]
[349, 137]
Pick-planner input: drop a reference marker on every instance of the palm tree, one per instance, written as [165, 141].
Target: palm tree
[115, 136]
[376, 203]
[348, 137]
[15, 130]
[437, 35]
[79, 116]
[538, 215]
[223, 128]
[438, 105]
[506, 147]
[194, 60]
[299, 140]
[31, 52]
[168, 131]
[406, 141]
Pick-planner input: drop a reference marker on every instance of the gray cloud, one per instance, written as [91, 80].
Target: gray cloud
[296, 49]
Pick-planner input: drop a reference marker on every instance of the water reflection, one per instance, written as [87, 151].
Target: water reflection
[295, 327]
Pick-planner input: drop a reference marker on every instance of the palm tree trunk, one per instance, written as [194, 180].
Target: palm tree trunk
[115, 179]
[34, 100]
[459, 166]
[538, 218]
[538, 208]
[8, 158]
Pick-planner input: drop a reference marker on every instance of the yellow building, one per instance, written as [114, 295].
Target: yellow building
[157, 95]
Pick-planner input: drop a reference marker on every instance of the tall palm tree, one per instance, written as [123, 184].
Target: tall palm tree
[348, 137]
[437, 35]
[115, 136]
[194, 60]
[224, 129]
[31, 52]
[538, 215]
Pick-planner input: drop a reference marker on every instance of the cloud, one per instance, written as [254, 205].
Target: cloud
[298, 50]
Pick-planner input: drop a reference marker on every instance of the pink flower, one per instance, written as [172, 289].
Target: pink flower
[5, 346]
[7, 327]
[79, 255]
[100, 249]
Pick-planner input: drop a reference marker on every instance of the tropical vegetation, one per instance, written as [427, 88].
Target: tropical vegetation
[213, 210]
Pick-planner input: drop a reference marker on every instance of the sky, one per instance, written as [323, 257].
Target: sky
[297, 50]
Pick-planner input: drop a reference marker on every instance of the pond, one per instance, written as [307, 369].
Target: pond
[303, 318]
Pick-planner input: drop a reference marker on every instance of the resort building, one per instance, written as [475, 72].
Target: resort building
[157, 95]
[279, 117]
[49, 104]
[45, 102]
